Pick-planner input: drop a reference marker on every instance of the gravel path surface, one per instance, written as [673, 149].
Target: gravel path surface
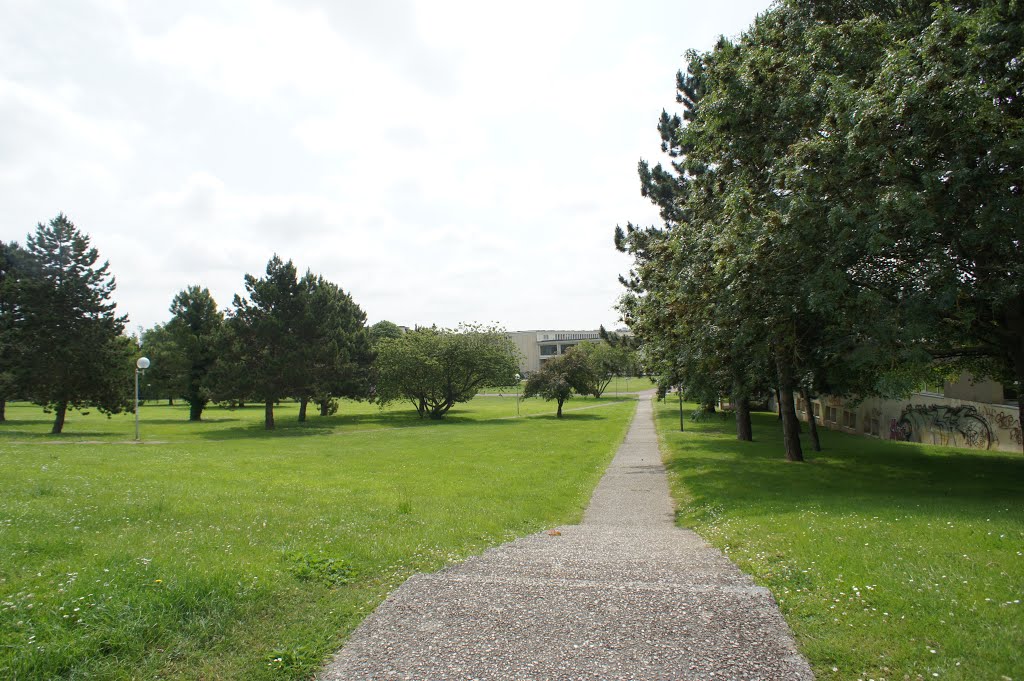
[624, 595]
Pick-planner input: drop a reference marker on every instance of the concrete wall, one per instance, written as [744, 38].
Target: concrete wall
[931, 419]
[989, 392]
[526, 341]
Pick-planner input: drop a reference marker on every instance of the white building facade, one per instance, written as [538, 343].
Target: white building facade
[539, 346]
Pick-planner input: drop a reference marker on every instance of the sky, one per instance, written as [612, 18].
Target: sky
[442, 161]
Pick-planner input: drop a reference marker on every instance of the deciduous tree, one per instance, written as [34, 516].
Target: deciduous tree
[606, 362]
[560, 376]
[436, 369]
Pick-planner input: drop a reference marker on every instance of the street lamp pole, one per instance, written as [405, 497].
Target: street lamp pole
[141, 364]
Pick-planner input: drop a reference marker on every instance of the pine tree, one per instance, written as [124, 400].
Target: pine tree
[194, 327]
[264, 327]
[13, 266]
[73, 352]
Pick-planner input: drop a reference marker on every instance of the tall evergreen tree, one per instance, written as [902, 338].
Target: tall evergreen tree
[74, 354]
[265, 324]
[14, 263]
[167, 375]
[195, 326]
[335, 344]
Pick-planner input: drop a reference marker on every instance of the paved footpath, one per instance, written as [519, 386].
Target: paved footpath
[624, 595]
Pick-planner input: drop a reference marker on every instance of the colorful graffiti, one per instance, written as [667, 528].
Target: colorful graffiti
[955, 426]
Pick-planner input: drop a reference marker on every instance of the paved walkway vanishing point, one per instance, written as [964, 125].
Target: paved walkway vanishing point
[624, 595]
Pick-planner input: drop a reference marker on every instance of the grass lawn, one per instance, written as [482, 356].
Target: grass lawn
[632, 384]
[217, 550]
[889, 560]
[619, 384]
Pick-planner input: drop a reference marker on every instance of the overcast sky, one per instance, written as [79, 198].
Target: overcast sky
[442, 161]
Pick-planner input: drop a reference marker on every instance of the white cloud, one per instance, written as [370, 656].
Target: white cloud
[265, 51]
[444, 160]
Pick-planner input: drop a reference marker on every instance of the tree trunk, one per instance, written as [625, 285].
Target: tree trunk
[3, 409]
[1013, 321]
[268, 415]
[709, 407]
[682, 421]
[1020, 395]
[241, 404]
[778, 403]
[195, 410]
[302, 409]
[170, 401]
[559, 412]
[58, 422]
[325, 406]
[815, 442]
[1020, 409]
[1018, 361]
[744, 428]
[790, 424]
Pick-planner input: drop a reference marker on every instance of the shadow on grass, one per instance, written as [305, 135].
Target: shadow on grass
[854, 472]
[567, 416]
[12, 423]
[291, 427]
[368, 422]
[69, 436]
[219, 424]
[185, 421]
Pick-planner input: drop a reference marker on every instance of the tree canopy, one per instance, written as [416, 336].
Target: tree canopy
[842, 204]
[14, 263]
[72, 352]
[290, 337]
[335, 343]
[436, 369]
[195, 328]
[561, 376]
[604, 361]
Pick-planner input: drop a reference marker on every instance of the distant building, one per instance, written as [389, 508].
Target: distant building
[539, 346]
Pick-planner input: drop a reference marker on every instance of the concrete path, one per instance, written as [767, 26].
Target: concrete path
[624, 595]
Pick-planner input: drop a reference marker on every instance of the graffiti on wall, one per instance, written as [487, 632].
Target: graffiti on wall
[947, 425]
[1004, 421]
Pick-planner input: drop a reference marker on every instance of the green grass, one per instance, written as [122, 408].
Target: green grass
[889, 560]
[619, 384]
[504, 390]
[623, 384]
[217, 550]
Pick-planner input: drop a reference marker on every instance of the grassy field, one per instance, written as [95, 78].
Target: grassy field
[619, 384]
[889, 560]
[217, 550]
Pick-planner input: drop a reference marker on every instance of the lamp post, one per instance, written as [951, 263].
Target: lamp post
[518, 378]
[141, 364]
